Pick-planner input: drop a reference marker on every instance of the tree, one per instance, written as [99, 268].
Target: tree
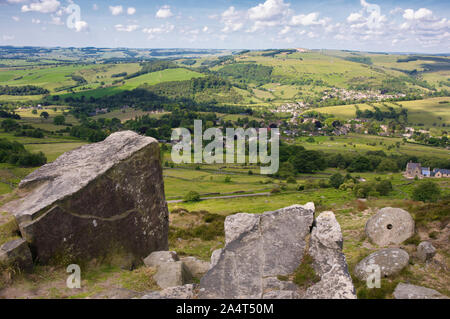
[336, 180]
[427, 191]
[387, 165]
[9, 125]
[360, 164]
[59, 120]
[192, 196]
[44, 115]
[383, 187]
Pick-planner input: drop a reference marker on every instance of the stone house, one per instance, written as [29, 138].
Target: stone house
[413, 170]
[439, 172]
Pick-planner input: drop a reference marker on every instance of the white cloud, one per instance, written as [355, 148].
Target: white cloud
[131, 11]
[164, 12]
[269, 10]
[152, 32]
[421, 14]
[126, 28]
[116, 10]
[232, 20]
[271, 13]
[205, 29]
[81, 26]
[308, 19]
[35, 21]
[355, 17]
[16, 18]
[42, 6]
[95, 7]
[285, 30]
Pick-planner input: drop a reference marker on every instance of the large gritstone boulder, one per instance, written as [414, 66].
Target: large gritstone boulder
[390, 226]
[100, 199]
[390, 262]
[329, 261]
[261, 246]
[261, 251]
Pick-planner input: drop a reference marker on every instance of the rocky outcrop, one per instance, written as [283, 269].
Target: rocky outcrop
[170, 271]
[260, 246]
[390, 226]
[390, 261]
[99, 199]
[329, 261]
[425, 251]
[16, 254]
[260, 249]
[406, 291]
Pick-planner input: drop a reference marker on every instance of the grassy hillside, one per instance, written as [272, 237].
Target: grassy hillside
[427, 112]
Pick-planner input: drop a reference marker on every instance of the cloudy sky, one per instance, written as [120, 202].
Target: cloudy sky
[371, 25]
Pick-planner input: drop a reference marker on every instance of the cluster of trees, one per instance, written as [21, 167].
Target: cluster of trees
[379, 115]
[360, 59]
[218, 61]
[153, 66]
[272, 53]
[79, 79]
[119, 75]
[199, 94]
[161, 128]
[13, 152]
[94, 130]
[8, 115]
[433, 141]
[296, 159]
[22, 90]
[12, 126]
[362, 190]
[246, 72]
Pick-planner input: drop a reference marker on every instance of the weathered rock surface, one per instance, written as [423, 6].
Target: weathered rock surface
[170, 271]
[406, 291]
[390, 260]
[195, 266]
[17, 254]
[180, 292]
[390, 226]
[258, 247]
[172, 274]
[215, 256]
[158, 258]
[101, 198]
[425, 251]
[329, 261]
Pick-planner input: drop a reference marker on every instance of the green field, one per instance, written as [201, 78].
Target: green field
[153, 78]
[361, 143]
[428, 112]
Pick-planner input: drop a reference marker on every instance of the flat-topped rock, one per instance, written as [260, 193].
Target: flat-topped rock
[76, 169]
[98, 199]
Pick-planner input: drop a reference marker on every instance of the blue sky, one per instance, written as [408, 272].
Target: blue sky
[370, 25]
